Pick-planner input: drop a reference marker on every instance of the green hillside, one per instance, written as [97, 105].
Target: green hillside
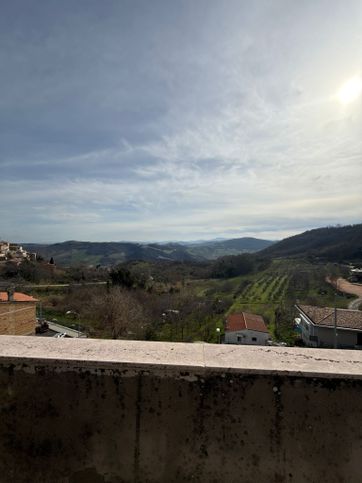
[331, 244]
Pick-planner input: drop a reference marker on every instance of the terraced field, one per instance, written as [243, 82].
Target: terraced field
[265, 289]
[273, 292]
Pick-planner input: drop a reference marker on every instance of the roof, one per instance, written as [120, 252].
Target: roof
[245, 321]
[324, 316]
[17, 297]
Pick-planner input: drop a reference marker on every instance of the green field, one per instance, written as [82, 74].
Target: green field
[203, 304]
[273, 293]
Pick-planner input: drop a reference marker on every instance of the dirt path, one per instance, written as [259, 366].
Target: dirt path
[345, 286]
[355, 304]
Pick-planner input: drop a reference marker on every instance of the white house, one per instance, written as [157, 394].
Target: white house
[14, 252]
[330, 327]
[244, 328]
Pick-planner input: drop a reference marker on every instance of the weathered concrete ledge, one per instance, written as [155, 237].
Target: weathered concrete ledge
[102, 411]
[91, 354]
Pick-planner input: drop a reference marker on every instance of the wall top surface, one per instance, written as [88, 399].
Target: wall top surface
[197, 358]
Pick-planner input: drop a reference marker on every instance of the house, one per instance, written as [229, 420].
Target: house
[329, 327]
[17, 313]
[4, 249]
[14, 252]
[245, 328]
[4, 246]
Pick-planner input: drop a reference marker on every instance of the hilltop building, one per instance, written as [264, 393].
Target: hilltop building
[14, 252]
[245, 328]
[17, 313]
[4, 250]
[329, 327]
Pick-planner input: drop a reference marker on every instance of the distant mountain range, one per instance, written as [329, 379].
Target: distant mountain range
[340, 243]
[331, 244]
[111, 253]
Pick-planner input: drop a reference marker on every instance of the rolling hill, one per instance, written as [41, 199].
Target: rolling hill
[111, 253]
[340, 243]
[215, 249]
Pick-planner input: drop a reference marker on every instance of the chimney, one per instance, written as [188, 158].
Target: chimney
[10, 292]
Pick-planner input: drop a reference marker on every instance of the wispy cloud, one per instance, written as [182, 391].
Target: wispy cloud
[174, 122]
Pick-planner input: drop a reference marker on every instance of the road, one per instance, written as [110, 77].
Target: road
[355, 304]
[345, 286]
[54, 285]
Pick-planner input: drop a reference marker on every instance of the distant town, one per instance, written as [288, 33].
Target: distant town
[14, 252]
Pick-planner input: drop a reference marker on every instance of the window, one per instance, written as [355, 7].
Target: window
[239, 338]
[253, 339]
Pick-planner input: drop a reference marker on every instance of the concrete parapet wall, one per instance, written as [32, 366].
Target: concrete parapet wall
[83, 410]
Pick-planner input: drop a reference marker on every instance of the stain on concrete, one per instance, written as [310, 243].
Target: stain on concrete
[88, 475]
[65, 425]
[138, 429]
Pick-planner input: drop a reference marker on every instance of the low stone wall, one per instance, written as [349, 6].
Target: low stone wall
[83, 410]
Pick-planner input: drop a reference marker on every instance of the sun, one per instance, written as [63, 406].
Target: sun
[350, 90]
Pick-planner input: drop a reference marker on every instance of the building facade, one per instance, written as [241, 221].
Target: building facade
[17, 314]
[245, 328]
[330, 327]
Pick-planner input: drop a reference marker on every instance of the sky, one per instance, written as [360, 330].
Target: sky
[178, 120]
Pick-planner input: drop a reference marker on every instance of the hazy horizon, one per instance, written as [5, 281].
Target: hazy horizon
[134, 241]
[152, 121]
[159, 241]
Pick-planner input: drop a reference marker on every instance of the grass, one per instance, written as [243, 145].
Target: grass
[273, 293]
[59, 317]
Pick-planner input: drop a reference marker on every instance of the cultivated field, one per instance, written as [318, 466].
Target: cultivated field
[273, 293]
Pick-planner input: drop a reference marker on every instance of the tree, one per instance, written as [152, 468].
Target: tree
[119, 312]
[132, 277]
[11, 270]
[122, 276]
[233, 265]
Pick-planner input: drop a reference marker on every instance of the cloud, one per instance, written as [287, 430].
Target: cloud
[199, 120]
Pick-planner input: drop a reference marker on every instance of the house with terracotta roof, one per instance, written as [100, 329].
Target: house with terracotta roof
[17, 313]
[245, 328]
[330, 327]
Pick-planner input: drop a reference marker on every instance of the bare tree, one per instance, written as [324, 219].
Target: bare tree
[119, 312]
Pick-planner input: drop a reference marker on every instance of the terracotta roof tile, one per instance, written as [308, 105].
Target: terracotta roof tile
[324, 316]
[244, 320]
[235, 322]
[18, 297]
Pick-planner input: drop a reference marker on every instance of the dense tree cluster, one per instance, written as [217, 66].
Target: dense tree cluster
[236, 265]
[40, 271]
[232, 266]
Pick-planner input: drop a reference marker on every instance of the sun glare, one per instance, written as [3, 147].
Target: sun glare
[350, 90]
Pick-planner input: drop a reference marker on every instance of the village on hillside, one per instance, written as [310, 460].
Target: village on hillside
[14, 252]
